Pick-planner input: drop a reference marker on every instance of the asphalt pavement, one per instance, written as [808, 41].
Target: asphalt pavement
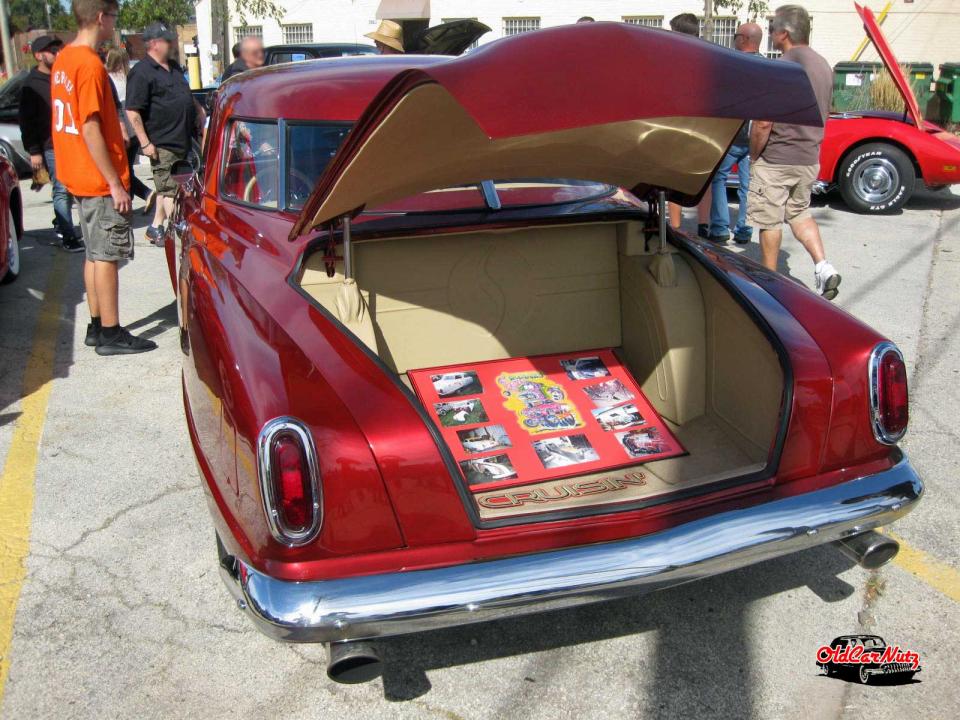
[108, 554]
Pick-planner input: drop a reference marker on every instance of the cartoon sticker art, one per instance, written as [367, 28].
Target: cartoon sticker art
[538, 402]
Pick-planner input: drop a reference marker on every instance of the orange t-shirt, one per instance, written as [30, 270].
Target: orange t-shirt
[79, 89]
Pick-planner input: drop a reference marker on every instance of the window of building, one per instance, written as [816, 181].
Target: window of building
[298, 33]
[448, 20]
[724, 28]
[517, 25]
[242, 31]
[654, 21]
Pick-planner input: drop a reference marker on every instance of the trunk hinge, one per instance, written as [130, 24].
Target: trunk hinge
[662, 267]
[330, 256]
[351, 307]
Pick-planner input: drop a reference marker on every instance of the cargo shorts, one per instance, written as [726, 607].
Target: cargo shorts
[162, 182]
[779, 193]
[106, 233]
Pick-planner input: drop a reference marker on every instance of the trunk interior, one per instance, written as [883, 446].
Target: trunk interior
[700, 359]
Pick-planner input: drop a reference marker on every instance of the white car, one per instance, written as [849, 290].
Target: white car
[449, 383]
[494, 470]
[480, 444]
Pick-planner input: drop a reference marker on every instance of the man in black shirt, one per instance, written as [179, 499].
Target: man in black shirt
[251, 55]
[164, 115]
[34, 119]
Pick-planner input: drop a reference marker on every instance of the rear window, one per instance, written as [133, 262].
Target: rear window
[309, 150]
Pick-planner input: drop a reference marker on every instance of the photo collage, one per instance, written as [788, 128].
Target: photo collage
[522, 420]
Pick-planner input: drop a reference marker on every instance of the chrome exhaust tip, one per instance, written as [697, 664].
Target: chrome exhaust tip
[353, 662]
[870, 550]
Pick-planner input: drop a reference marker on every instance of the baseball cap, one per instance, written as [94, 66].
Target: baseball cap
[45, 42]
[157, 30]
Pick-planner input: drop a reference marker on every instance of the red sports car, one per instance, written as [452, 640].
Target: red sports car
[11, 222]
[361, 225]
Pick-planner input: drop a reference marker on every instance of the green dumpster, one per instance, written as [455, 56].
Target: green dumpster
[920, 77]
[851, 85]
[948, 92]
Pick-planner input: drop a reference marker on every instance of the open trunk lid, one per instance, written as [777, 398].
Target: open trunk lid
[449, 38]
[555, 103]
[890, 63]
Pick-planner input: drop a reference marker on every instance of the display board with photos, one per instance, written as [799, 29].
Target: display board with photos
[527, 419]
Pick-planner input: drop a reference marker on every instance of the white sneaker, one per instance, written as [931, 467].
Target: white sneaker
[828, 279]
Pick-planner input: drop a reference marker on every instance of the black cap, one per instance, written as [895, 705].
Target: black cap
[45, 42]
[157, 30]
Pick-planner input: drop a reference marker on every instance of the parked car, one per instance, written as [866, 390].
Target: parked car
[449, 38]
[11, 222]
[359, 218]
[11, 144]
[875, 158]
[296, 52]
[866, 672]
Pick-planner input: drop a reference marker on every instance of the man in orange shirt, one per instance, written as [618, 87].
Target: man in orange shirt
[88, 143]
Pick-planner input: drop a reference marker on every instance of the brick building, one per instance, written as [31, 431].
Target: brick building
[919, 30]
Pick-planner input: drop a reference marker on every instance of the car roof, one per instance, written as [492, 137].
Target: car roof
[326, 89]
[320, 46]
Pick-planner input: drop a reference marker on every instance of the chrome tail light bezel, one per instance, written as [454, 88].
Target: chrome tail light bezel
[880, 432]
[268, 435]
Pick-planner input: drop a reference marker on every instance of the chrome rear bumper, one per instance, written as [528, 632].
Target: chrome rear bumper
[402, 602]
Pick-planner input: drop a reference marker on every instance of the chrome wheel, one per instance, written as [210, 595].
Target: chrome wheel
[864, 675]
[876, 180]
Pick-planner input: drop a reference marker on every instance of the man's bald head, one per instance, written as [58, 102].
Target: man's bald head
[251, 51]
[748, 37]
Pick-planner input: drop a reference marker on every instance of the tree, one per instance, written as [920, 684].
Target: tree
[137, 14]
[31, 14]
[755, 8]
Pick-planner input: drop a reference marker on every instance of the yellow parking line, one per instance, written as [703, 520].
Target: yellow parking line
[16, 481]
[940, 577]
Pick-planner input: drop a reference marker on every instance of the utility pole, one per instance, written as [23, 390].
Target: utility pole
[5, 32]
[708, 20]
[46, 6]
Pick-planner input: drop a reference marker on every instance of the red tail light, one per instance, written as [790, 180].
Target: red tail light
[289, 481]
[889, 403]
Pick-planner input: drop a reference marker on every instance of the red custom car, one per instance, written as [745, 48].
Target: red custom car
[362, 224]
[875, 158]
[11, 222]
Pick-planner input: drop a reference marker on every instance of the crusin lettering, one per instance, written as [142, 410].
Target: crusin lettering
[561, 491]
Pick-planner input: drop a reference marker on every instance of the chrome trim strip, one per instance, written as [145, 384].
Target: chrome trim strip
[388, 604]
[873, 382]
[269, 432]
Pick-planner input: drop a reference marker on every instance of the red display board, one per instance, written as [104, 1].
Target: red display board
[527, 419]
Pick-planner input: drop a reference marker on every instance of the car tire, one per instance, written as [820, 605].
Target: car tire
[13, 251]
[863, 676]
[876, 179]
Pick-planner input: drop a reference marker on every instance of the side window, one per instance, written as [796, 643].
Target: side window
[280, 57]
[310, 148]
[250, 171]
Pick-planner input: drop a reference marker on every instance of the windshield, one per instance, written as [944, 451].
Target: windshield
[250, 173]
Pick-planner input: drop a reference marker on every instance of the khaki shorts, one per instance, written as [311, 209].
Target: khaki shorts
[106, 233]
[778, 193]
[161, 171]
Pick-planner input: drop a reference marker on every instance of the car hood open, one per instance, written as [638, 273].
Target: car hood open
[890, 62]
[449, 38]
[610, 102]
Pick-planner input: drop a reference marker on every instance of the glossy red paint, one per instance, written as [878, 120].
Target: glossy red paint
[935, 151]
[256, 349]
[890, 62]
[9, 199]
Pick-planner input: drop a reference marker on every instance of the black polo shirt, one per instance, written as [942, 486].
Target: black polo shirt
[163, 99]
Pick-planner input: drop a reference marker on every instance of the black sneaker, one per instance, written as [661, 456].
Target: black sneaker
[73, 245]
[743, 239]
[719, 239]
[155, 235]
[703, 230]
[124, 344]
[93, 335]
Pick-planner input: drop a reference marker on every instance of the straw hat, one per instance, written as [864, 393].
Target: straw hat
[389, 33]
